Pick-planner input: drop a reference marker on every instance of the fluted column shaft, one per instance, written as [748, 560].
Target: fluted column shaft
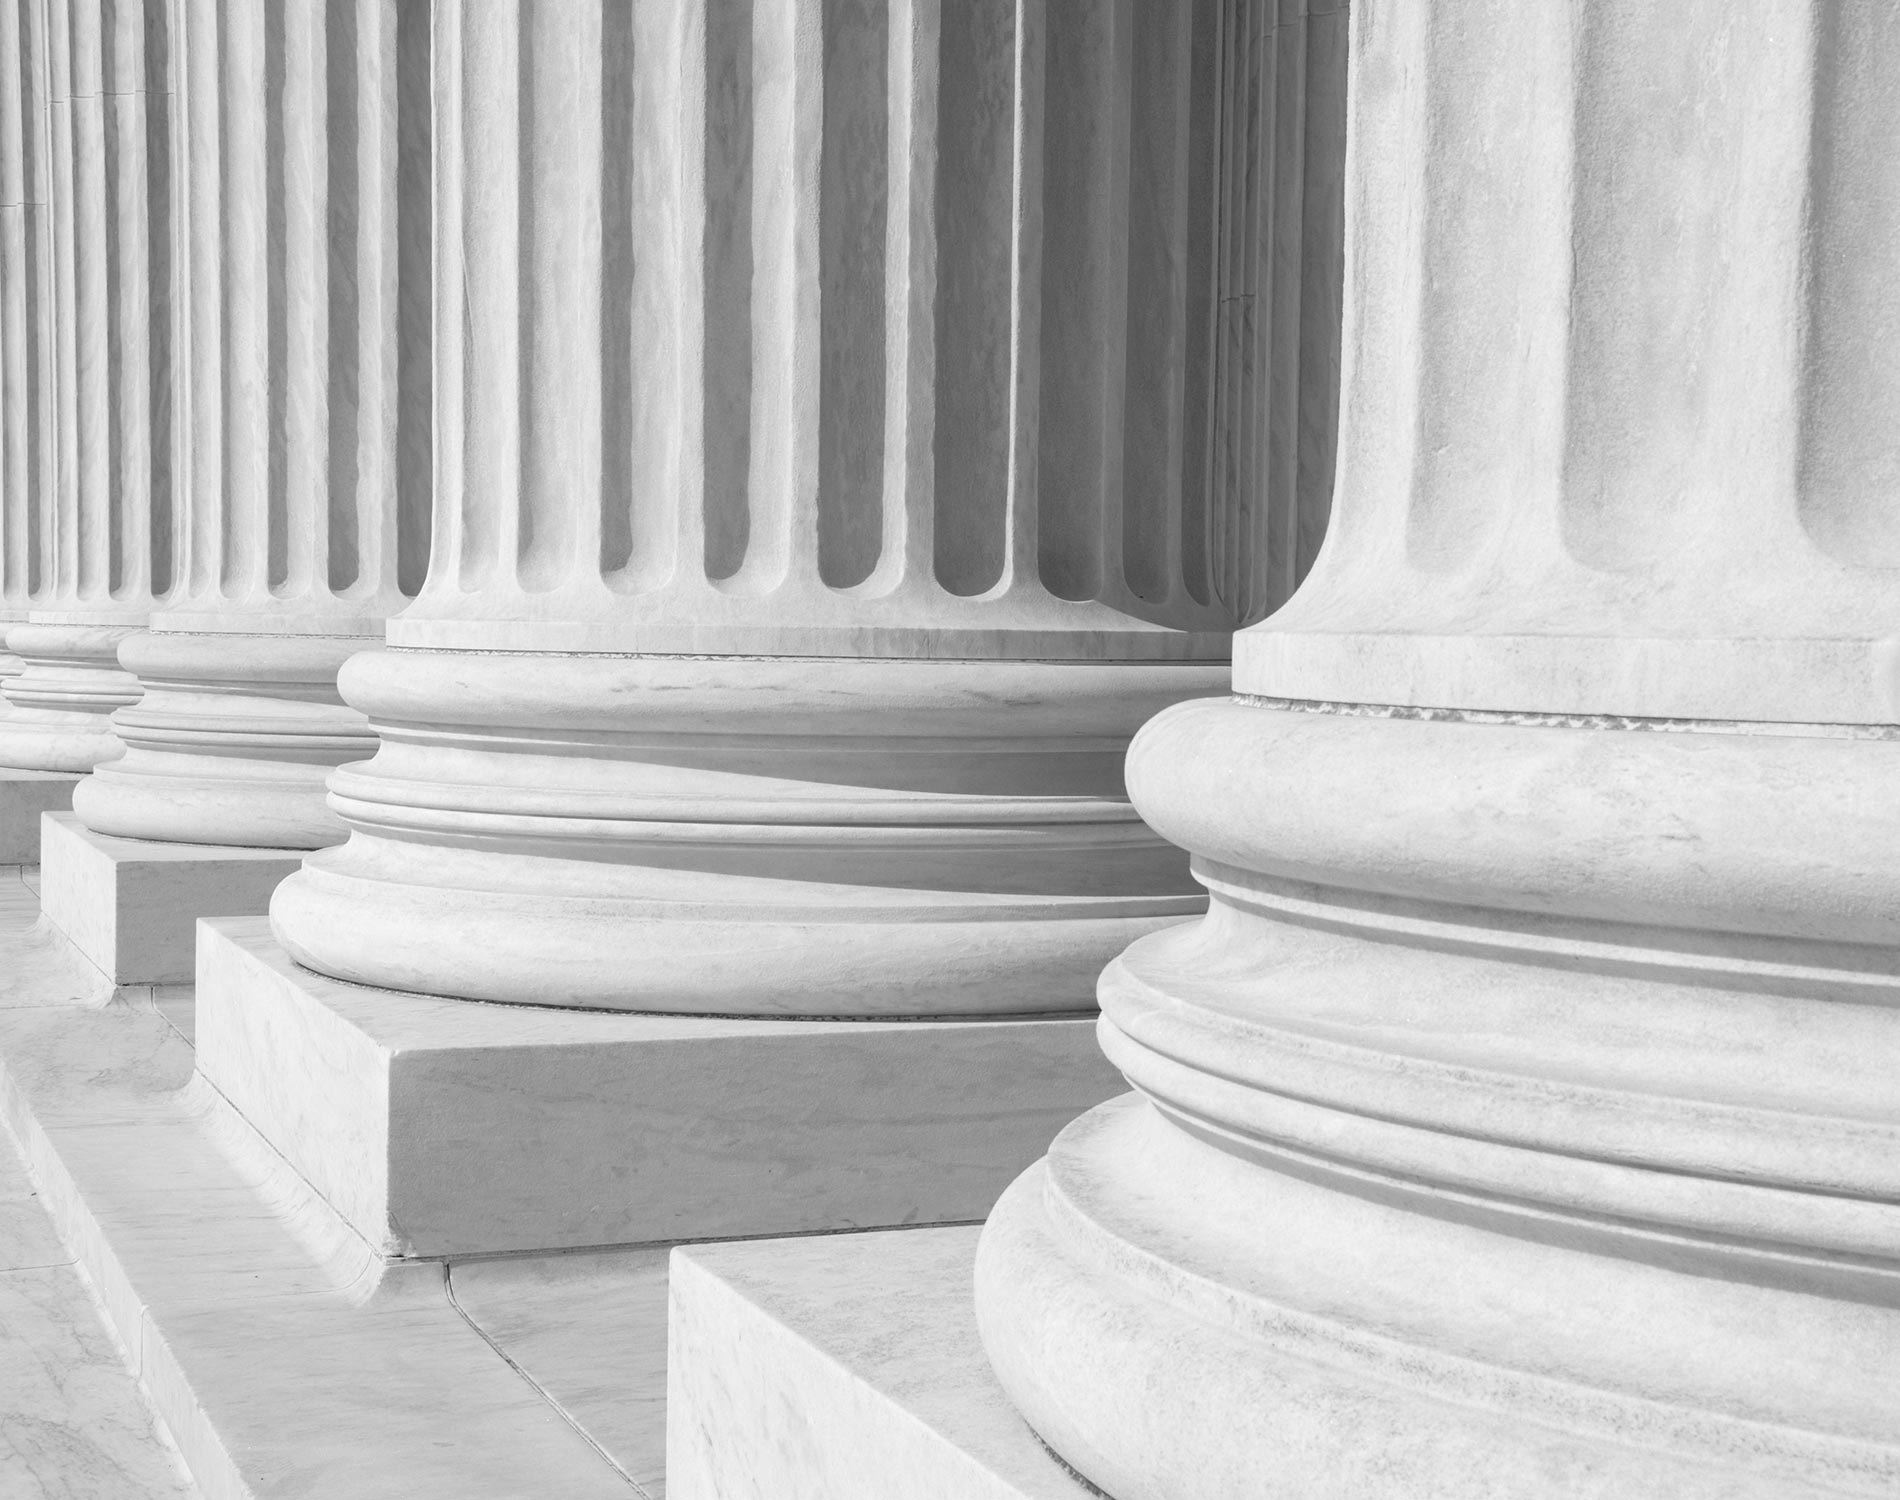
[107, 521]
[307, 494]
[1522, 1117]
[813, 523]
[27, 388]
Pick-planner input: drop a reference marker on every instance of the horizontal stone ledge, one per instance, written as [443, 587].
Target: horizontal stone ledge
[443, 1127]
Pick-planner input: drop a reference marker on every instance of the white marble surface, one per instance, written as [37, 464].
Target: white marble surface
[841, 1367]
[73, 1425]
[132, 906]
[438, 1128]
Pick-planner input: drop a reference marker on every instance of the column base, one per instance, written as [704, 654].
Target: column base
[846, 1366]
[231, 743]
[24, 797]
[447, 1127]
[131, 905]
[60, 705]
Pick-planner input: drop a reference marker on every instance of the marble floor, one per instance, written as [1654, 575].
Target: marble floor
[73, 1423]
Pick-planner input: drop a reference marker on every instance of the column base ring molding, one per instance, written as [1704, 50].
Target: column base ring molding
[232, 742]
[61, 703]
[1520, 1119]
[742, 836]
[1218, 1336]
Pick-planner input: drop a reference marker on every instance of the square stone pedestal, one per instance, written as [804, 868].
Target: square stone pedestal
[841, 1367]
[449, 1127]
[24, 796]
[131, 905]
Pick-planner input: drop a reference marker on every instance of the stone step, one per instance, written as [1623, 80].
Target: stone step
[451, 1127]
[842, 1367]
[288, 1359]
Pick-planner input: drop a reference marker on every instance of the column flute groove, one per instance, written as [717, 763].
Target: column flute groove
[107, 519]
[27, 378]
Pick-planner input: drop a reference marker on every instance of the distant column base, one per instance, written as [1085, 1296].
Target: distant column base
[846, 1366]
[232, 742]
[437, 1127]
[131, 905]
[24, 797]
[60, 706]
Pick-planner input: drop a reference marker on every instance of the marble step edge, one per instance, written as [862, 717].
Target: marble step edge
[257, 1331]
[842, 1367]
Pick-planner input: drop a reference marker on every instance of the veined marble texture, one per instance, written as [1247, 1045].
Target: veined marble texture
[72, 1421]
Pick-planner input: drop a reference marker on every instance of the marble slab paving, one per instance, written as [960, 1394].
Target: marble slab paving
[590, 1330]
[73, 1425]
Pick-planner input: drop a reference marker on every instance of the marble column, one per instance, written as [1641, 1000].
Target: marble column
[106, 522]
[307, 493]
[26, 316]
[843, 442]
[1522, 1118]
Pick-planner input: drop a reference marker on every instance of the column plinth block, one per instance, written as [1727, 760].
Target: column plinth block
[25, 796]
[439, 1128]
[132, 905]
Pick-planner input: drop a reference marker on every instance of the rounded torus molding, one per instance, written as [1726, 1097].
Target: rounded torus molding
[10, 665]
[231, 743]
[62, 702]
[742, 836]
[1520, 1119]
